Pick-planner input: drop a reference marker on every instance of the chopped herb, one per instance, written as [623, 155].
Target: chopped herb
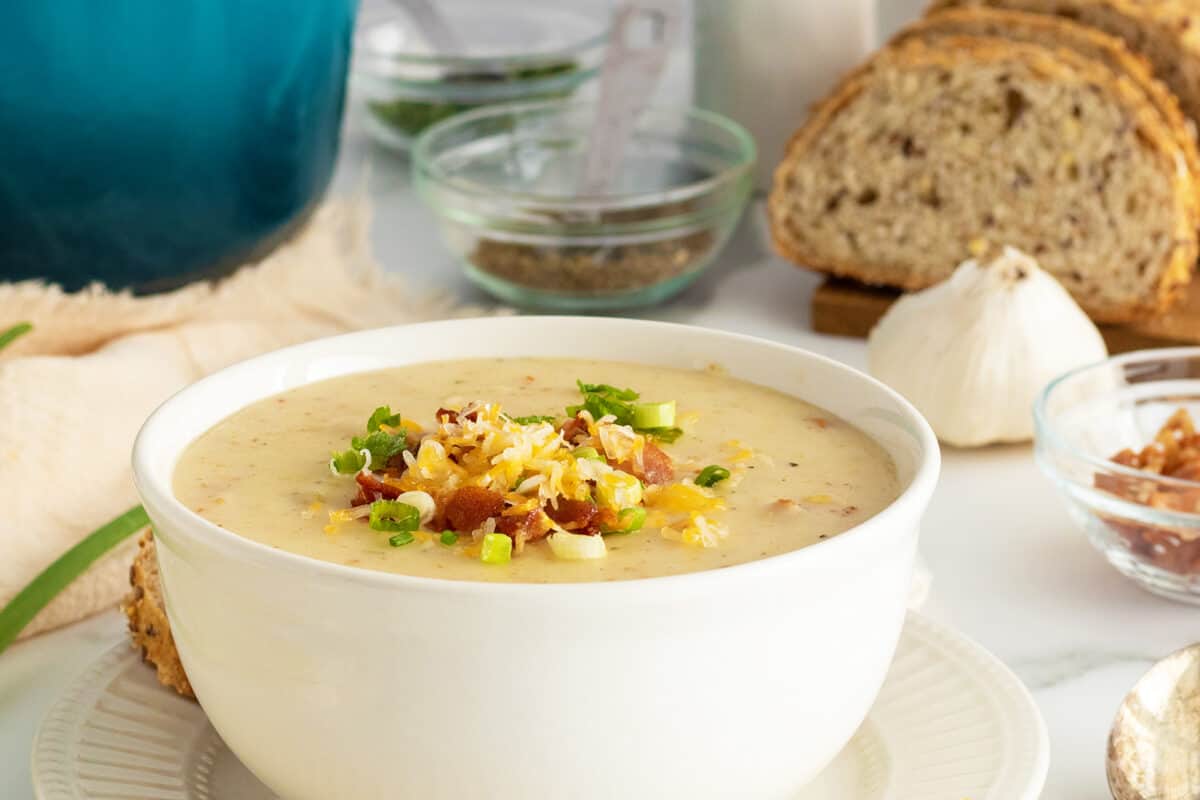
[381, 444]
[347, 462]
[629, 520]
[711, 475]
[393, 516]
[14, 333]
[587, 452]
[533, 419]
[448, 538]
[497, 549]
[602, 399]
[380, 417]
[401, 539]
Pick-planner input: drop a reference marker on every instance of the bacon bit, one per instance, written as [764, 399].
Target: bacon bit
[657, 467]
[370, 484]
[469, 507]
[574, 428]
[577, 516]
[446, 415]
[523, 528]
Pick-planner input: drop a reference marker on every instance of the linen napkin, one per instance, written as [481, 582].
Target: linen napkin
[74, 392]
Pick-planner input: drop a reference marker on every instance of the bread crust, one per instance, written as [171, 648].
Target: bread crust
[1110, 51]
[149, 629]
[955, 51]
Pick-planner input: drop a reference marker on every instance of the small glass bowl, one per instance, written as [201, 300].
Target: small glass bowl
[499, 52]
[504, 183]
[1147, 525]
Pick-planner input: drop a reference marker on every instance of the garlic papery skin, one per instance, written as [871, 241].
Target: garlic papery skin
[973, 352]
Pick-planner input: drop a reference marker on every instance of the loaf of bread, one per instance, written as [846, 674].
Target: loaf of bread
[149, 629]
[1166, 32]
[1061, 32]
[941, 150]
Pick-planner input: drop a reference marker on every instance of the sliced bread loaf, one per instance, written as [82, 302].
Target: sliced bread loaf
[937, 151]
[1166, 32]
[1060, 32]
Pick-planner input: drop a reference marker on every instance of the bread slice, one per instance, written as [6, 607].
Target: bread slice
[1166, 32]
[939, 151]
[1061, 32]
[149, 629]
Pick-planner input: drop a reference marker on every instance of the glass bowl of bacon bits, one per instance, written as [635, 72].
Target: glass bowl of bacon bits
[1120, 440]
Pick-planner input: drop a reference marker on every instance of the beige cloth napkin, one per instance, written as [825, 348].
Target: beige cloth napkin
[74, 392]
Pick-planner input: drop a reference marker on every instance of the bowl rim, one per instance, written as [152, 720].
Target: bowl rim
[1049, 437]
[595, 40]
[426, 173]
[156, 492]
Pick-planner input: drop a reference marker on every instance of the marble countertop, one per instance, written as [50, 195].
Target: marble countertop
[1010, 569]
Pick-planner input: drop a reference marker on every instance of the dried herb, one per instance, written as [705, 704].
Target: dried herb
[410, 117]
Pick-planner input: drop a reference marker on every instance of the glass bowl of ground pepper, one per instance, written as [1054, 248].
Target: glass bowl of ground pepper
[409, 72]
[506, 186]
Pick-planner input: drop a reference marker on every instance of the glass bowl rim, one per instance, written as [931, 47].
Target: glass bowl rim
[595, 40]
[426, 173]
[1049, 437]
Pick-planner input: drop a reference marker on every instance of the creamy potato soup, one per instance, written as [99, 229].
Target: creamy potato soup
[535, 470]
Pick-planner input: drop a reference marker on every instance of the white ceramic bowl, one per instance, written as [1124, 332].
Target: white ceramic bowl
[335, 682]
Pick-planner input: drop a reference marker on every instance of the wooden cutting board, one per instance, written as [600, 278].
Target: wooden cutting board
[846, 308]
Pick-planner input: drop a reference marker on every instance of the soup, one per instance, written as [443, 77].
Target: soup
[535, 470]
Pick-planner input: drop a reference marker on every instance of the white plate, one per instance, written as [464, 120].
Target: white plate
[951, 722]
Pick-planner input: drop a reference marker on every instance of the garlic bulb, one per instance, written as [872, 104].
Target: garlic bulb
[973, 352]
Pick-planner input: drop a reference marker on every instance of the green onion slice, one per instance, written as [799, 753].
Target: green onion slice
[533, 419]
[392, 516]
[654, 415]
[587, 452]
[400, 539]
[448, 538]
[711, 475]
[629, 520]
[69, 566]
[14, 333]
[497, 549]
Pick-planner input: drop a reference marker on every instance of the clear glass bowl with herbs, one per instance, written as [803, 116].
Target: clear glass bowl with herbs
[505, 185]
[404, 78]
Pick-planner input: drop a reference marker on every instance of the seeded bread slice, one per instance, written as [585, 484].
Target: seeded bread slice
[1166, 32]
[938, 151]
[149, 629]
[1055, 32]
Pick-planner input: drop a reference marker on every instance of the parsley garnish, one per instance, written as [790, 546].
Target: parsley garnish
[602, 399]
[380, 442]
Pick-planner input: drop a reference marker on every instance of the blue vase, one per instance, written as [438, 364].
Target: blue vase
[145, 142]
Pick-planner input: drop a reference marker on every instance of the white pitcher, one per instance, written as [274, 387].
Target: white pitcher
[765, 62]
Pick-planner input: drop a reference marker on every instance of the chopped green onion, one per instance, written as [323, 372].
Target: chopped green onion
[629, 520]
[347, 462]
[587, 452]
[69, 566]
[667, 435]
[448, 538]
[380, 417]
[532, 419]
[711, 475]
[393, 516]
[654, 415]
[14, 333]
[400, 539]
[497, 549]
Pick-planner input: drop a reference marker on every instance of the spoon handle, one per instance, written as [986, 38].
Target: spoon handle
[642, 35]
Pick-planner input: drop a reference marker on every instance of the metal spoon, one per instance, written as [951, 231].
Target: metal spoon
[1154, 746]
